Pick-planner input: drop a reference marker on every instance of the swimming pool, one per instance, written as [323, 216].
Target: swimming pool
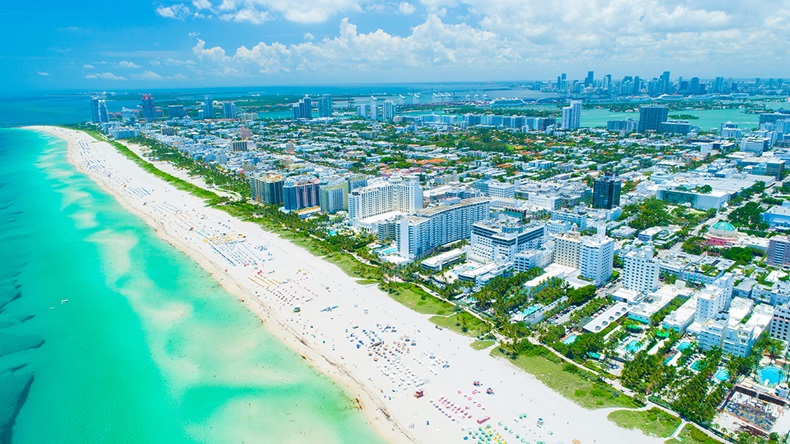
[722, 375]
[696, 364]
[388, 251]
[683, 346]
[634, 346]
[570, 339]
[771, 375]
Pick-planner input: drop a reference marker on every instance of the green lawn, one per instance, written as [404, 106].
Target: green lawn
[417, 299]
[692, 435]
[653, 422]
[482, 345]
[367, 281]
[462, 323]
[569, 381]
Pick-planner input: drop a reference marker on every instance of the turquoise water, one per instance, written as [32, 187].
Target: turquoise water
[683, 346]
[108, 334]
[707, 118]
[634, 346]
[570, 339]
[722, 375]
[772, 375]
[696, 364]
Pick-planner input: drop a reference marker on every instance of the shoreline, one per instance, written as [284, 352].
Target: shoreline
[355, 390]
[388, 414]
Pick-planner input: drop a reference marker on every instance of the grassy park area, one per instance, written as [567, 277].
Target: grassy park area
[653, 422]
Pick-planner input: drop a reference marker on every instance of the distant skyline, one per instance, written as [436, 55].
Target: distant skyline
[96, 45]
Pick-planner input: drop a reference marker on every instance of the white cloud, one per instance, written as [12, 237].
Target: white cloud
[406, 8]
[105, 76]
[516, 39]
[178, 11]
[260, 11]
[43, 74]
[249, 14]
[147, 75]
[86, 66]
[202, 4]
[128, 65]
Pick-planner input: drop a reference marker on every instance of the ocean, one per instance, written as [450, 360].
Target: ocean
[110, 334]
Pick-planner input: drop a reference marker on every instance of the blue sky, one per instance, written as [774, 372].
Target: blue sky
[90, 44]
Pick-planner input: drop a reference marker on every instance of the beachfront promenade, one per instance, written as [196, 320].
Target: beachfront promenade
[381, 351]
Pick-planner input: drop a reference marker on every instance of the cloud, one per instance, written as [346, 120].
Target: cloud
[178, 11]
[249, 14]
[261, 11]
[87, 66]
[129, 65]
[516, 39]
[43, 74]
[406, 8]
[105, 76]
[147, 75]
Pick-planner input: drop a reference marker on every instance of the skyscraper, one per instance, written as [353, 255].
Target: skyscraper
[666, 85]
[640, 270]
[388, 110]
[303, 109]
[267, 189]
[208, 108]
[95, 109]
[374, 109]
[325, 108]
[651, 117]
[596, 256]
[590, 79]
[229, 110]
[606, 191]
[300, 192]
[572, 115]
[99, 112]
[149, 109]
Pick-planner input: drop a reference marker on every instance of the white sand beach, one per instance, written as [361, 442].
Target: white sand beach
[353, 333]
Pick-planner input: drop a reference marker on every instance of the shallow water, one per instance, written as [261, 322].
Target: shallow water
[109, 334]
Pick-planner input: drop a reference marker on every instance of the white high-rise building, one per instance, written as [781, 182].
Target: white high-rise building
[640, 271]
[496, 240]
[419, 235]
[362, 110]
[714, 298]
[403, 194]
[572, 115]
[388, 110]
[566, 249]
[596, 256]
[374, 109]
[501, 189]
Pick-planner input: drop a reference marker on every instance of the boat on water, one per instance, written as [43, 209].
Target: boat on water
[64, 301]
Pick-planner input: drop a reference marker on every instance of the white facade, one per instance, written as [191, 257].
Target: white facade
[714, 298]
[566, 249]
[419, 235]
[595, 258]
[572, 115]
[501, 189]
[499, 241]
[780, 324]
[395, 194]
[640, 271]
[532, 258]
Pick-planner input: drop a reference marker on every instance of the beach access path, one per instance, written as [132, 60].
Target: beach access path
[379, 350]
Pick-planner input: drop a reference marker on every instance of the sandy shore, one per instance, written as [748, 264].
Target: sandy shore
[379, 350]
